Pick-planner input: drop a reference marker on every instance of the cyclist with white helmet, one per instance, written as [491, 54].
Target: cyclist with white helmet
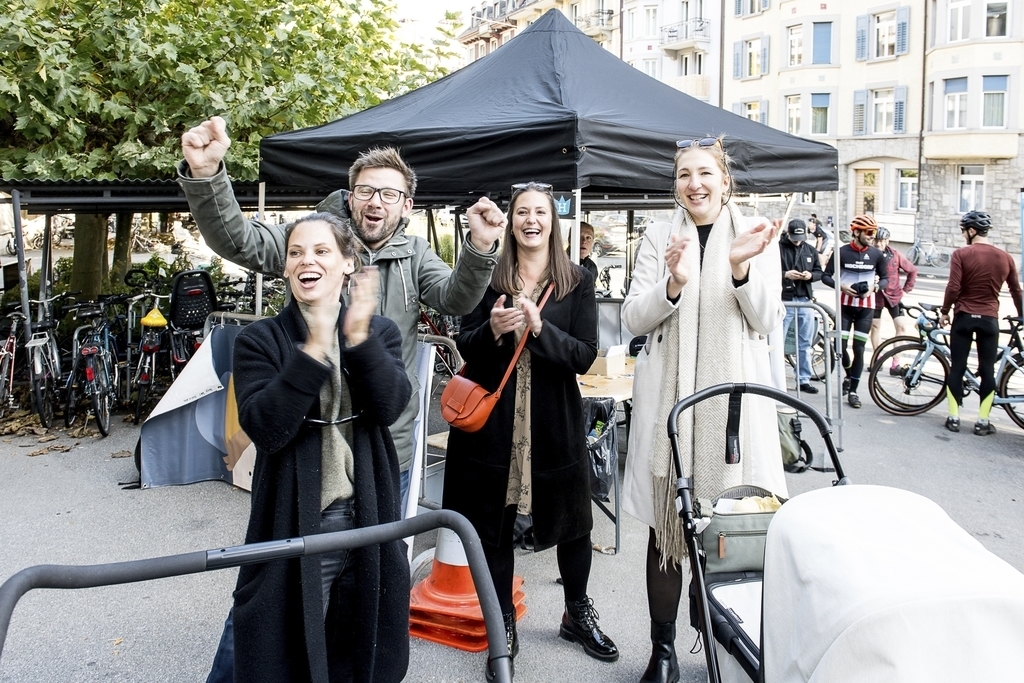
[888, 299]
[976, 275]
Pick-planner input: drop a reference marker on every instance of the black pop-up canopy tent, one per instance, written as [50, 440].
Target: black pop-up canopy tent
[550, 105]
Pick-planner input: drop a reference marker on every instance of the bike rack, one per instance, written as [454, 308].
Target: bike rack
[92, 576]
[831, 336]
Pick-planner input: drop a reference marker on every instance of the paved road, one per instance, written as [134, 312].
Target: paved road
[70, 508]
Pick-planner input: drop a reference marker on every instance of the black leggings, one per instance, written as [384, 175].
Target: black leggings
[984, 331]
[574, 560]
[664, 587]
[860, 320]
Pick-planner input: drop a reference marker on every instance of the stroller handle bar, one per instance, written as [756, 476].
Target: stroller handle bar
[91, 576]
[761, 390]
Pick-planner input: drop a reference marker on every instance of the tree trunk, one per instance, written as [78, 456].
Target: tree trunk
[90, 252]
[122, 248]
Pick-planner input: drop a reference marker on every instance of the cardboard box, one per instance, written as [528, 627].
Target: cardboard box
[610, 362]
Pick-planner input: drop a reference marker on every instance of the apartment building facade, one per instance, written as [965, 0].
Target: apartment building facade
[674, 41]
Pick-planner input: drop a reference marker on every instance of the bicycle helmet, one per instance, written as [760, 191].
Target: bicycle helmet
[863, 223]
[882, 234]
[979, 221]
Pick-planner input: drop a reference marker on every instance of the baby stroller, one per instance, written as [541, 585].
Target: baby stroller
[858, 583]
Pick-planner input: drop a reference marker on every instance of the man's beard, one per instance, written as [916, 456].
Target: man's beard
[372, 236]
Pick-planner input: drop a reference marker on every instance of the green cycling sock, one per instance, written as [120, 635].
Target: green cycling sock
[954, 407]
[986, 406]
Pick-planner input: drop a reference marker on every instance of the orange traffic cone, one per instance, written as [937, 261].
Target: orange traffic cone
[444, 608]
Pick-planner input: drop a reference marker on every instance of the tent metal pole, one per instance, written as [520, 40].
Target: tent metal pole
[574, 238]
[837, 330]
[19, 242]
[258, 300]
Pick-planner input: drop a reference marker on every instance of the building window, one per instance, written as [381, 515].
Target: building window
[819, 113]
[885, 34]
[822, 46]
[995, 19]
[631, 24]
[753, 58]
[752, 110]
[972, 188]
[574, 12]
[959, 20]
[906, 195]
[808, 197]
[796, 45]
[956, 103]
[882, 102]
[698, 63]
[651, 67]
[650, 21]
[793, 115]
[994, 104]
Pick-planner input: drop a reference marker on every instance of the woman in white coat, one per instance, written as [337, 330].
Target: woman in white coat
[706, 291]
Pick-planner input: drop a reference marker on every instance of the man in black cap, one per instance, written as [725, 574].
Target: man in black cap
[800, 268]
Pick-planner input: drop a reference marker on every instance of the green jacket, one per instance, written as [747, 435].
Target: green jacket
[410, 271]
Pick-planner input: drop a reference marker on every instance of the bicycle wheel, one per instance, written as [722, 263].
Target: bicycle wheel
[71, 399]
[914, 254]
[912, 388]
[941, 259]
[42, 397]
[12, 250]
[101, 397]
[1011, 388]
[6, 377]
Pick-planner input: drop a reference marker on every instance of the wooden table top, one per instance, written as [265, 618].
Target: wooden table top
[619, 387]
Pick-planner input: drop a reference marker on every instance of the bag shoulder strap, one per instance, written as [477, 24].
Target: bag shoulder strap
[522, 342]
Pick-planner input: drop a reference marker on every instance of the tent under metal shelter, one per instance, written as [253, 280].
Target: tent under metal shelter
[550, 105]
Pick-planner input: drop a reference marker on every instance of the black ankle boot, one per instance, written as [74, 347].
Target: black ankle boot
[512, 641]
[579, 625]
[663, 667]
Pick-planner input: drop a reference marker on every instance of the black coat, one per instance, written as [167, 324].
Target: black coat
[278, 614]
[477, 466]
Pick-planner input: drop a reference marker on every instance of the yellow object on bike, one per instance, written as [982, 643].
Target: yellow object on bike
[154, 319]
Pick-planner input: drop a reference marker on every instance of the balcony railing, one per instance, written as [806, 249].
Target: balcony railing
[599, 19]
[691, 29]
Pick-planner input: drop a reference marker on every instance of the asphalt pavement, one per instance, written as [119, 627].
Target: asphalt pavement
[72, 508]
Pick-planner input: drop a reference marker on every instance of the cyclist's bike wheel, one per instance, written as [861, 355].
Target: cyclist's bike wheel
[101, 397]
[918, 383]
[1011, 386]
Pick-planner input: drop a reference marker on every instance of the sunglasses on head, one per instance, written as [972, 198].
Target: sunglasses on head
[699, 142]
[539, 187]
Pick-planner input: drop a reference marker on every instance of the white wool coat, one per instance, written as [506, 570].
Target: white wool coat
[644, 312]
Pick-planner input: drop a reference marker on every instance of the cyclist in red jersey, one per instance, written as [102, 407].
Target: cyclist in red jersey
[976, 275]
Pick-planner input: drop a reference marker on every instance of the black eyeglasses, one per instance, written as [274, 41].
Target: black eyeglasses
[700, 142]
[538, 187]
[388, 195]
[327, 423]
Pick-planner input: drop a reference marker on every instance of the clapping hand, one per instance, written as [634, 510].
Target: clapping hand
[486, 224]
[504, 320]
[204, 146]
[362, 305]
[531, 315]
[675, 264]
[749, 244]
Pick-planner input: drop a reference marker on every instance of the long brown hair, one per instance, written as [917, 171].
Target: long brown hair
[505, 278]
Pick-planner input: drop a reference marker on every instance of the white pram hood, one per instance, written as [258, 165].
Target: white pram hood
[871, 584]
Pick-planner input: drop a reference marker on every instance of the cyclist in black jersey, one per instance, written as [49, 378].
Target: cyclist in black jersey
[976, 275]
[862, 272]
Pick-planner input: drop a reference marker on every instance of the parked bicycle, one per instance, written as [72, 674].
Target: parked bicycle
[918, 385]
[94, 370]
[143, 379]
[45, 362]
[924, 252]
[605, 278]
[7, 362]
[151, 330]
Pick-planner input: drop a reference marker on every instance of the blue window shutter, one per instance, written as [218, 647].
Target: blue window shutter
[899, 110]
[993, 83]
[863, 23]
[860, 106]
[764, 4]
[764, 112]
[822, 46]
[951, 85]
[903, 30]
[737, 108]
[738, 8]
[764, 54]
[737, 59]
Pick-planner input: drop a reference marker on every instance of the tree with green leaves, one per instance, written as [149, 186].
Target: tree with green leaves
[104, 90]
